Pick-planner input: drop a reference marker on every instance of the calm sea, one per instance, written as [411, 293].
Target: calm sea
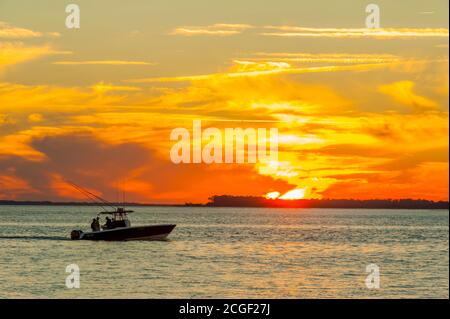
[229, 253]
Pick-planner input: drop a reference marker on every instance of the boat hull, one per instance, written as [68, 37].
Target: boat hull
[154, 232]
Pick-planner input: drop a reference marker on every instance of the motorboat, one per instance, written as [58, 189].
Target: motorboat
[119, 228]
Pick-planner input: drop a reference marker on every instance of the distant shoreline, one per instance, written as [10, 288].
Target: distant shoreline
[257, 201]
[261, 202]
[51, 203]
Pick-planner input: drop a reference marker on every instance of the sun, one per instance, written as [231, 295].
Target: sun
[298, 193]
[272, 195]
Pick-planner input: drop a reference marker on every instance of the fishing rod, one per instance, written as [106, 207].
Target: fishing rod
[92, 196]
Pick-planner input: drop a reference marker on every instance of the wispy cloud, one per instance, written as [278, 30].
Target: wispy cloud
[218, 29]
[249, 68]
[383, 33]
[105, 87]
[8, 31]
[103, 62]
[268, 71]
[17, 52]
[326, 57]
[403, 92]
[222, 29]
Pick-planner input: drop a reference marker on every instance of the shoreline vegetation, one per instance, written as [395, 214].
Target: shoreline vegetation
[262, 202]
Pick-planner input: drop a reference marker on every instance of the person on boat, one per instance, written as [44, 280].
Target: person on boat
[96, 224]
[93, 226]
[109, 223]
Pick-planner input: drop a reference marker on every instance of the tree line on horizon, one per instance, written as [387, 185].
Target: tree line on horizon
[257, 201]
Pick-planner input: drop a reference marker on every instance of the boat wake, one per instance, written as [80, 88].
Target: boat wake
[35, 237]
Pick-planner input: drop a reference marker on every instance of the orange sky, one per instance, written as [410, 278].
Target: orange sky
[359, 115]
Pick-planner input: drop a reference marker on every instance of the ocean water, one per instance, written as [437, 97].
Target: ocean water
[229, 253]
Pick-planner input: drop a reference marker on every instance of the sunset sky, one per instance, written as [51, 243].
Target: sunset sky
[360, 113]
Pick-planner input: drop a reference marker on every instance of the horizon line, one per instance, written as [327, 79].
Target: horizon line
[211, 202]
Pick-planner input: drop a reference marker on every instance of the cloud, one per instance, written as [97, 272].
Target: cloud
[346, 58]
[403, 93]
[102, 87]
[35, 118]
[411, 183]
[77, 157]
[18, 142]
[61, 100]
[328, 144]
[103, 62]
[253, 69]
[12, 53]
[104, 167]
[12, 187]
[382, 33]
[221, 29]
[8, 31]
[356, 150]
[15, 51]
[415, 159]
[218, 29]
[267, 64]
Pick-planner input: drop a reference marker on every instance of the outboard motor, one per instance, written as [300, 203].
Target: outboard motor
[76, 234]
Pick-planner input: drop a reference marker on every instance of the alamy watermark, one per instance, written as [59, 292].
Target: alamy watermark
[231, 145]
[373, 278]
[73, 279]
[373, 19]
[73, 19]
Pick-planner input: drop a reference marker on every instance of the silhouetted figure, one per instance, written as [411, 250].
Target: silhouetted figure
[96, 225]
[93, 226]
[109, 223]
